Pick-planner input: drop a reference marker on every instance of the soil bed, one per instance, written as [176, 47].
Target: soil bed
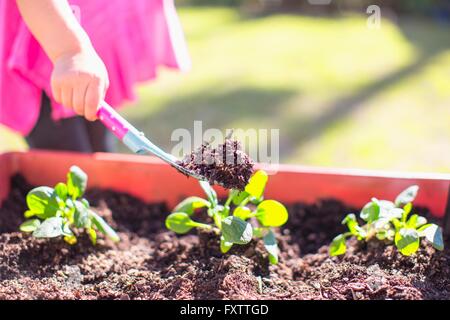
[153, 263]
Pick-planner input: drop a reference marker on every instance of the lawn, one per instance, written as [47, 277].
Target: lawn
[341, 94]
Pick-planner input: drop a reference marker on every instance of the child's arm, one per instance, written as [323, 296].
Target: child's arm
[79, 78]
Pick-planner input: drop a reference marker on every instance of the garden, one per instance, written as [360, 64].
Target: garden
[122, 226]
[149, 232]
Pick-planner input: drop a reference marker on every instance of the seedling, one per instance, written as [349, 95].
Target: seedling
[232, 220]
[390, 222]
[60, 210]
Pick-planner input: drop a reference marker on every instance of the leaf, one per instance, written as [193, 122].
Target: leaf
[85, 203]
[407, 241]
[407, 208]
[61, 191]
[70, 240]
[81, 215]
[103, 227]
[412, 222]
[189, 205]
[225, 246]
[210, 192]
[236, 230]
[76, 182]
[270, 243]
[433, 233]
[38, 198]
[66, 230]
[92, 235]
[179, 222]
[239, 197]
[50, 228]
[259, 232]
[420, 221]
[407, 196]
[242, 212]
[371, 211]
[353, 227]
[257, 184]
[271, 213]
[338, 246]
[30, 225]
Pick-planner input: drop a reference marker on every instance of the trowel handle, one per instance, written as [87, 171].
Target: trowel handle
[113, 121]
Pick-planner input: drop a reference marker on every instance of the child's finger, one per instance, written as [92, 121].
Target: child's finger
[79, 95]
[66, 96]
[56, 92]
[92, 100]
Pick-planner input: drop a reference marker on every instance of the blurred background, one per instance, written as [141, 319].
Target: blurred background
[342, 93]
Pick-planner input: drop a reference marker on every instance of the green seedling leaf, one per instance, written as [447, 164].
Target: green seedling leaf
[92, 236]
[257, 184]
[76, 182]
[353, 227]
[85, 203]
[239, 196]
[433, 233]
[242, 212]
[81, 215]
[189, 205]
[412, 222]
[179, 222]
[387, 234]
[30, 225]
[103, 227]
[236, 230]
[371, 211]
[66, 230]
[225, 246]
[407, 241]
[338, 246]
[407, 208]
[50, 228]
[38, 198]
[270, 243]
[61, 192]
[420, 221]
[407, 196]
[259, 232]
[210, 193]
[271, 213]
[70, 240]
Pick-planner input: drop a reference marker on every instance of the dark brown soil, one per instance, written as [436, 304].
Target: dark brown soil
[227, 165]
[152, 263]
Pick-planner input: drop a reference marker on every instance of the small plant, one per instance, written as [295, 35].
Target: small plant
[390, 222]
[58, 210]
[231, 220]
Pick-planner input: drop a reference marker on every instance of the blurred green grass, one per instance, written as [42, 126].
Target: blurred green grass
[341, 94]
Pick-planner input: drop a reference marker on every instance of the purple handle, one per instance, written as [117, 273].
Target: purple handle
[113, 121]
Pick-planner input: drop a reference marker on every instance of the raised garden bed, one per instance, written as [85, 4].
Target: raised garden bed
[151, 262]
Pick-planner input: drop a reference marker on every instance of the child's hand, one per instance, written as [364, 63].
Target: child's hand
[79, 81]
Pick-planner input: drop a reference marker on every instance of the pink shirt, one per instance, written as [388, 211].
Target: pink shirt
[132, 37]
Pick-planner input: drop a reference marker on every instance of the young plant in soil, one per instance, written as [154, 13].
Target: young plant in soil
[231, 220]
[390, 222]
[57, 211]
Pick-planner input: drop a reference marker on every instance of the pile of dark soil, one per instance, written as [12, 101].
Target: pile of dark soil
[227, 165]
[153, 263]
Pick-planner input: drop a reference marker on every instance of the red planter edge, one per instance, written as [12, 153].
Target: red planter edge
[152, 180]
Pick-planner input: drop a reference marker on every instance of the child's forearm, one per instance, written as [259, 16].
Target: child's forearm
[54, 26]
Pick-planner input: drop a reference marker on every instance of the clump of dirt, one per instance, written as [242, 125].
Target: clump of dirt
[227, 165]
[153, 263]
